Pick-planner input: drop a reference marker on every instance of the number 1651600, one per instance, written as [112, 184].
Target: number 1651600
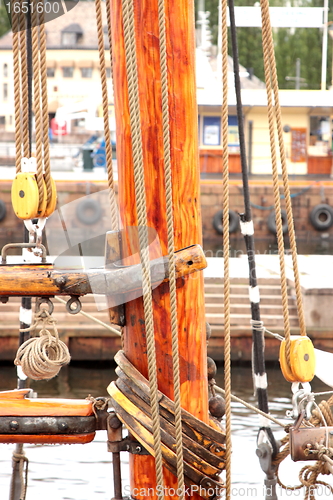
[39, 7]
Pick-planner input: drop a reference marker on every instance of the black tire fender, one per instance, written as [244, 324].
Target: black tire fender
[233, 221]
[3, 210]
[321, 217]
[89, 211]
[271, 222]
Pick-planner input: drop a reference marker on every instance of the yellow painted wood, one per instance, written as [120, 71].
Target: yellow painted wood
[25, 199]
[302, 360]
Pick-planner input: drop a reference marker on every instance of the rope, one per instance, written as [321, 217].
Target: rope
[308, 475]
[45, 116]
[171, 248]
[96, 320]
[17, 90]
[25, 88]
[37, 103]
[272, 87]
[250, 407]
[137, 153]
[42, 357]
[226, 247]
[107, 133]
[23, 462]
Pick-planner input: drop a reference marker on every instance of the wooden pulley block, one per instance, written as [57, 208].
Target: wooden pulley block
[25, 197]
[302, 359]
[44, 420]
[52, 202]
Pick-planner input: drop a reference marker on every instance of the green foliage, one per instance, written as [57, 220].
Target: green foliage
[290, 44]
[4, 21]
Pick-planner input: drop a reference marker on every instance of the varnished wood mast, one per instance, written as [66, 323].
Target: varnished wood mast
[186, 203]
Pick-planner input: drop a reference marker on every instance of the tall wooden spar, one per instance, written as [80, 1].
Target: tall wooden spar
[186, 199]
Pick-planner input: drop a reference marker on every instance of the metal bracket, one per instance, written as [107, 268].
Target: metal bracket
[127, 444]
[264, 453]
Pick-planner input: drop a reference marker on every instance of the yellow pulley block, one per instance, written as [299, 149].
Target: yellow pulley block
[25, 198]
[302, 359]
[52, 202]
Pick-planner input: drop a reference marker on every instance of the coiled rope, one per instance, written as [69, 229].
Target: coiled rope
[42, 357]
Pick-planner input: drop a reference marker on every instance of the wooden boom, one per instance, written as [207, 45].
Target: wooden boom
[44, 280]
[186, 201]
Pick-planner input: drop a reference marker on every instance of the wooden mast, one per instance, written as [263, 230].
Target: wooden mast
[186, 200]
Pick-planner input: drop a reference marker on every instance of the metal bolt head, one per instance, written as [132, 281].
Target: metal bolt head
[138, 448]
[306, 357]
[13, 425]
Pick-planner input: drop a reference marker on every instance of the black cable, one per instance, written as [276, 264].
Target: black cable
[258, 358]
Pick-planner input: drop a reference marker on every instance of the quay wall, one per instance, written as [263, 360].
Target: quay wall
[305, 196]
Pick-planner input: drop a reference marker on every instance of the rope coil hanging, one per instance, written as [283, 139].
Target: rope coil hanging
[42, 357]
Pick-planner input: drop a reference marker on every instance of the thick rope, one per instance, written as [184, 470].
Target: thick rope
[17, 91]
[276, 192]
[272, 86]
[107, 133]
[226, 247]
[308, 475]
[45, 115]
[42, 357]
[37, 101]
[291, 230]
[137, 153]
[171, 247]
[25, 88]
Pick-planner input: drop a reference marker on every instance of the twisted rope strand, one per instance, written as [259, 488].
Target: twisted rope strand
[226, 246]
[107, 134]
[24, 88]
[37, 100]
[291, 229]
[45, 115]
[137, 153]
[17, 91]
[171, 247]
[275, 178]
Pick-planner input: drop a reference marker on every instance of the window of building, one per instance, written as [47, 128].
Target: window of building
[108, 72]
[211, 133]
[71, 35]
[2, 120]
[67, 71]
[5, 70]
[5, 91]
[10, 119]
[86, 72]
[320, 135]
[50, 72]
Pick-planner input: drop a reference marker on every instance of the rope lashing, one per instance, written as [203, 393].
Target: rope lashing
[204, 445]
[19, 458]
[226, 246]
[42, 357]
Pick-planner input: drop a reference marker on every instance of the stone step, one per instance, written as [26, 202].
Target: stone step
[243, 288]
[244, 281]
[213, 298]
[270, 320]
[270, 309]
